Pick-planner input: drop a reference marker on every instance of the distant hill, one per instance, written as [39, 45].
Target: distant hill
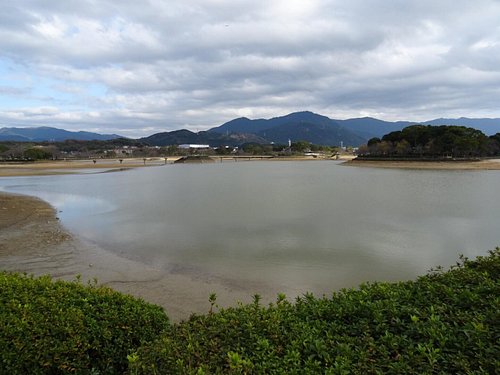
[42, 134]
[306, 126]
[320, 129]
[178, 137]
[489, 126]
[243, 125]
[369, 127]
[319, 134]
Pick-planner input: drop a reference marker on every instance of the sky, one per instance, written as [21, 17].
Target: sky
[136, 68]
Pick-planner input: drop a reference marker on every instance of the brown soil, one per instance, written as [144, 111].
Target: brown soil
[73, 166]
[27, 223]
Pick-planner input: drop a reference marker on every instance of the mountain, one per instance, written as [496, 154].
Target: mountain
[307, 126]
[322, 130]
[44, 133]
[488, 126]
[296, 126]
[243, 125]
[319, 134]
[369, 127]
[178, 137]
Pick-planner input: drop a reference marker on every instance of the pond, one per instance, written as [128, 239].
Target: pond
[299, 226]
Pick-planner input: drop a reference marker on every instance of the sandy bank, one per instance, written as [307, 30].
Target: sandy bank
[33, 241]
[488, 164]
[74, 166]
[228, 158]
[45, 168]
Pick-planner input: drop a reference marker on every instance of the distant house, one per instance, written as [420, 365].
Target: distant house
[125, 150]
[188, 146]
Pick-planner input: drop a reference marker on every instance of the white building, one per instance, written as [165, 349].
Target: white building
[193, 146]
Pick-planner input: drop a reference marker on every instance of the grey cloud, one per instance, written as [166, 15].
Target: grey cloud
[164, 65]
[13, 91]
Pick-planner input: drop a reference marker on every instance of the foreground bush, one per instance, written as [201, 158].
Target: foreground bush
[444, 322]
[60, 327]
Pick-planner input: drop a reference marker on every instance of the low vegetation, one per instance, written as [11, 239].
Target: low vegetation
[443, 322]
[49, 327]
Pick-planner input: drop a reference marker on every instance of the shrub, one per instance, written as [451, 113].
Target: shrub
[66, 327]
[444, 322]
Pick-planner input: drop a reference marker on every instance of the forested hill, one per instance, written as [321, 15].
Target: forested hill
[418, 141]
[322, 130]
[213, 139]
[298, 126]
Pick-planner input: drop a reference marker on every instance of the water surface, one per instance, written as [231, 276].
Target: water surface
[296, 226]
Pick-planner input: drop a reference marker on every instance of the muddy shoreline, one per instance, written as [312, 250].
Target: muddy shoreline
[33, 241]
[486, 164]
[46, 168]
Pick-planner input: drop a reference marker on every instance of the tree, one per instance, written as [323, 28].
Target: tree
[373, 142]
[37, 153]
[494, 144]
[301, 146]
[403, 147]
[385, 148]
[363, 150]
[431, 141]
[252, 148]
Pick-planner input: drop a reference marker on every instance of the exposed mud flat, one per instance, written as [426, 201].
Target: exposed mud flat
[33, 241]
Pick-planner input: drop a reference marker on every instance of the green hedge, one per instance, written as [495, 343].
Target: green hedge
[49, 327]
[444, 322]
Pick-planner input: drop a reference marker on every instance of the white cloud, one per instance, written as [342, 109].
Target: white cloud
[134, 67]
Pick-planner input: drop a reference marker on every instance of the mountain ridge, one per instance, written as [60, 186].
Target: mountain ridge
[184, 136]
[295, 126]
[348, 131]
[47, 133]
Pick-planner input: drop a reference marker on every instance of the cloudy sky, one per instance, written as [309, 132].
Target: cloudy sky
[139, 67]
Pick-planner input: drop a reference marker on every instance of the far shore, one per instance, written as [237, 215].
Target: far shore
[55, 167]
[485, 164]
[43, 168]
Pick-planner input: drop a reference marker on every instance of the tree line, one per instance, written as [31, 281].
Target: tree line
[122, 147]
[437, 142]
